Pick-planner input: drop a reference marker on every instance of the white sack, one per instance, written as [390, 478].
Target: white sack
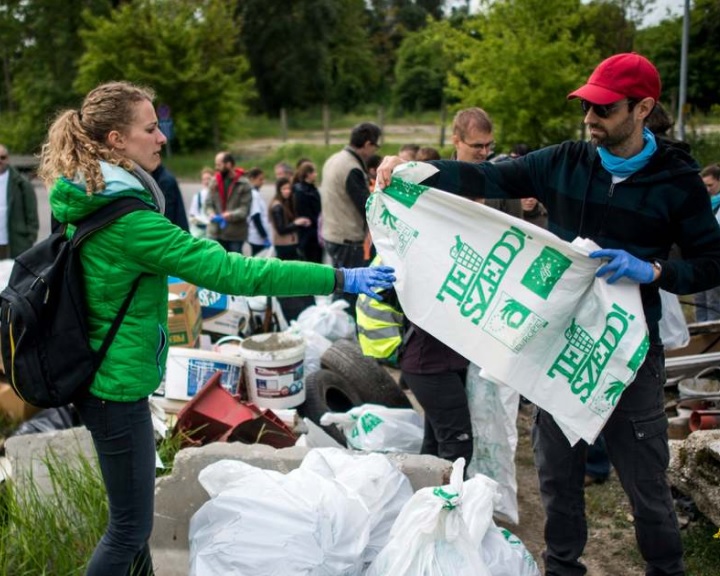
[374, 479]
[263, 523]
[376, 428]
[329, 320]
[493, 412]
[673, 326]
[512, 298]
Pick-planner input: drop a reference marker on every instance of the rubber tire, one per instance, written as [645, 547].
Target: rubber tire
[326, 391]
[371, 381]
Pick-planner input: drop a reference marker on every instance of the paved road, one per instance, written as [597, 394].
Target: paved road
[188, 189]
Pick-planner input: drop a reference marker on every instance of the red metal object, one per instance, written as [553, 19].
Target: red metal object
[216, 415]
[704, 420]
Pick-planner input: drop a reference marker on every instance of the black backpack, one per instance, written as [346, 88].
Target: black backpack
[43, 315]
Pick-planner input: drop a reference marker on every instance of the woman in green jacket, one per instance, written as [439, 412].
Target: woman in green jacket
[94, 156]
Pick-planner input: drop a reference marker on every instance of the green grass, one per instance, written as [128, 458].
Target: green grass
[702, 550]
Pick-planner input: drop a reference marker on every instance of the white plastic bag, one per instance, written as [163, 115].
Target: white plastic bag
[430, 537]
[506, 555]
[263, 523]
[376, 428]
[328, 320]
[315, 346]
[673, 326]
[493, 411]
[512, 298]
[374, 479]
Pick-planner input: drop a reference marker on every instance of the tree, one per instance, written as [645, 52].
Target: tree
[186, 50]
[521, 60]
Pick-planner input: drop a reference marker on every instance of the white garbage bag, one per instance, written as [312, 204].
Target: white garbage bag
[431, 538]
[506, 555]
[263, 523]
[329, 320]
[374, 479]
[375, 428]
[673, 326]
[493, 411]
[512, 298]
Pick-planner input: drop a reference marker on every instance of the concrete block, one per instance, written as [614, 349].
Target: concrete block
[28, 454]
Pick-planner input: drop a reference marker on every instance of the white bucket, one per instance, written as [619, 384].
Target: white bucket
[274, 369]
[188, 369]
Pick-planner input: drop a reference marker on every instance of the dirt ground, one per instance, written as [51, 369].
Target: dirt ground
[611, 549]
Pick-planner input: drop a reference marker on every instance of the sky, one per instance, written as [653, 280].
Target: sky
[658, 12]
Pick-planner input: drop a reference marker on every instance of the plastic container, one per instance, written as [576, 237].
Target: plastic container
[704, 420]
[274, 369]
[188, 369]
[700, 386]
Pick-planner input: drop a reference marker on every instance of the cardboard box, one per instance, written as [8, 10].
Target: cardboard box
[223, 314]
[184, 319]
[12, 406]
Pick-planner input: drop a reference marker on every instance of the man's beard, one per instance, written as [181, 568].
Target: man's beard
[618, 136]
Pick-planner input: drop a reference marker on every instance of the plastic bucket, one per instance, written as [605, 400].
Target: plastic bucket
[188, 369]
[274, 369]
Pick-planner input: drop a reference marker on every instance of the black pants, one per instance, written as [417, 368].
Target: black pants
[123, 436]
[636, 439]
[448, 429]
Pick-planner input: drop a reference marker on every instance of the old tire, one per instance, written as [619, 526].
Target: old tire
[370, 380]
[326, 391]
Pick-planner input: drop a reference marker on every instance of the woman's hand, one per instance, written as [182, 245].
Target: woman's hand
[302, 221]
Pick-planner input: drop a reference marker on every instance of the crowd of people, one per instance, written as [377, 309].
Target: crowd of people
[631, 189]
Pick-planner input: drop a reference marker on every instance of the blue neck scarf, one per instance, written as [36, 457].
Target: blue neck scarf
[715, 202]
[626, 167]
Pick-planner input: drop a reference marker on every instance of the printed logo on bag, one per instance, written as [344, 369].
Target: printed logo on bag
[545, 272]
[450, 498]
[368, 422]
[407, 193]
[401, 234]
[473, 281]
[488, 457]
[583, 360]
[513, 323]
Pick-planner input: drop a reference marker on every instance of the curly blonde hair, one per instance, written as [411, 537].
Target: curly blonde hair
[77, 139]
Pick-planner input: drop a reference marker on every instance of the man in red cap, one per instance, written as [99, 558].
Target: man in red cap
[635, 197]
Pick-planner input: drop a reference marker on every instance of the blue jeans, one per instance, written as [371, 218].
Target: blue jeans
[123, 436]
[637, 443]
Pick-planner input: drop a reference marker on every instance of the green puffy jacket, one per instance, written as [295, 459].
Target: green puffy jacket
[145, 242]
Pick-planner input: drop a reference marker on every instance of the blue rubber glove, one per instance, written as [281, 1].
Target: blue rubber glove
[623, 265]
[219, 220]
[367, 280]
[267, 243]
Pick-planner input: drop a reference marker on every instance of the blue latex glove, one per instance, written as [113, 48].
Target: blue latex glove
[219, 220]
[267, 243]
[623, 265]
[367, 280]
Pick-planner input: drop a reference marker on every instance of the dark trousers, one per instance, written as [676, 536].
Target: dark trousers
[287, 252]
[448, 429]
[232, 245]
[636, 439]
[346, 256]
[256, 248]
[123, 436]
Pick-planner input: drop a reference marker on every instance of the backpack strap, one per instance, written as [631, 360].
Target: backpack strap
[94, 222]
[105, 215]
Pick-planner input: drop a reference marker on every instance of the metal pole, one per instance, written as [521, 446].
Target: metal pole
[683, 72]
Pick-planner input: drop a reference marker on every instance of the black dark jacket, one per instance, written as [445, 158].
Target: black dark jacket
[662, 204]
[174, 206]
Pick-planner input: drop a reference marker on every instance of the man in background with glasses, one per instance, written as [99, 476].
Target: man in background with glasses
[18, 210]
[635, 197]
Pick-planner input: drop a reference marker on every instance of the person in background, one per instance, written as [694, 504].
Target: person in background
[408, 152]
[196, 215]
[174, 205]
[19, 222]
[92, 156]
[258, 223]
[285, 222]
[473, 140]
[307, 205]
[228, 204]
[344, 192]
[707, 303]
[657, 199]
[283, 170]
[427, 153]
[534, 212]
[368, 248]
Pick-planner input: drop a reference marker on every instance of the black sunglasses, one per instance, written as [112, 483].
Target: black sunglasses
[3, 157]
[605, 110]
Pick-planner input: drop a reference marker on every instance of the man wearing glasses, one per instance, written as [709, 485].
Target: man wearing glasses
[18, 210]
[473, 140]
[635, 197]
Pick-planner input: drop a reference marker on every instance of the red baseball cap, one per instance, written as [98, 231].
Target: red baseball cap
[621, 76]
